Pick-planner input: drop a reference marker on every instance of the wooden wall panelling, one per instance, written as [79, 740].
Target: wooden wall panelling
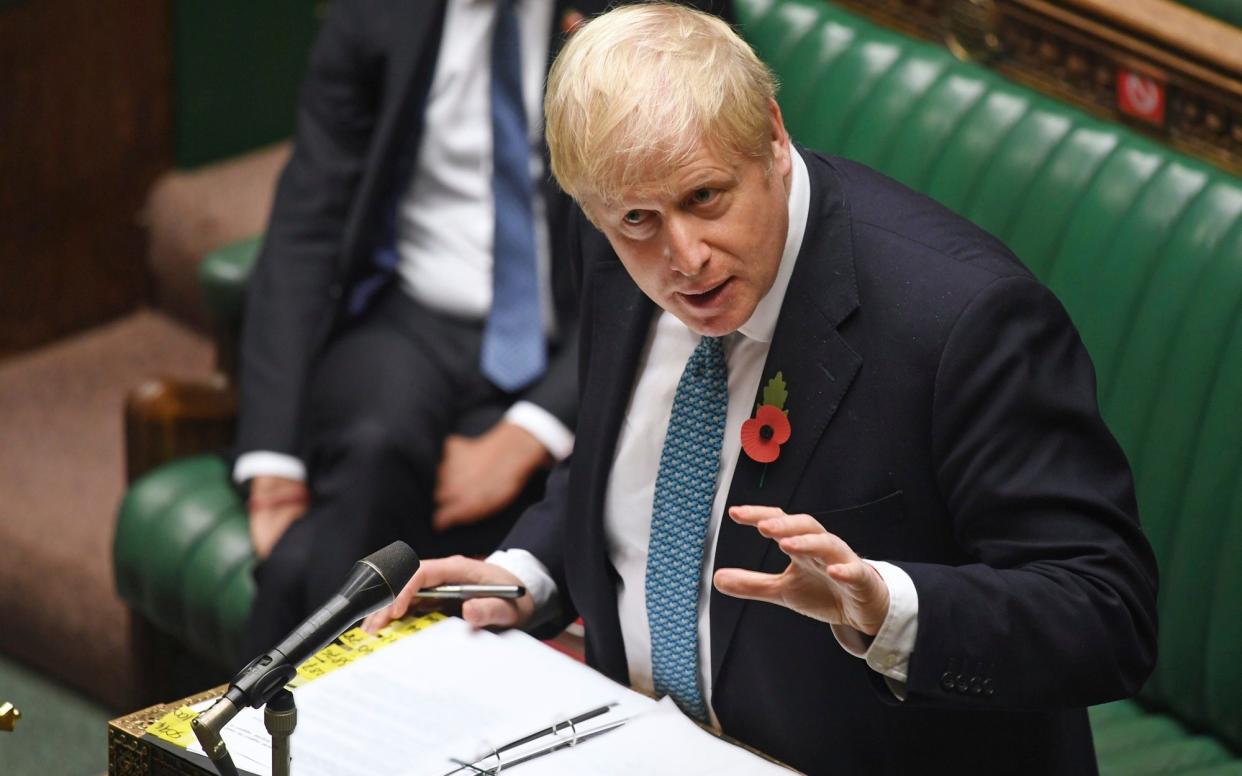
[85, 126]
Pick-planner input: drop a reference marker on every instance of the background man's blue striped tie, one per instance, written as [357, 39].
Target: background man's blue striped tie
[684, 491]
[513, 353]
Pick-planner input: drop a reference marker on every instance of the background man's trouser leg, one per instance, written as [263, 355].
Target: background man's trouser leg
[382, 399]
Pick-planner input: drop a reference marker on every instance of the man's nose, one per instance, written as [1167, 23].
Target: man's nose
[687, 251]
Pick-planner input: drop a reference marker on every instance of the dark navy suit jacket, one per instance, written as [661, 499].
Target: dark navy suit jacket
[944, 419]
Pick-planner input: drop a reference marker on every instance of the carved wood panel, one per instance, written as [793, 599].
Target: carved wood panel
[1153, 64]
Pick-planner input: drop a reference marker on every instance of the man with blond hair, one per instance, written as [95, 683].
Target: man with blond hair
[922, 552]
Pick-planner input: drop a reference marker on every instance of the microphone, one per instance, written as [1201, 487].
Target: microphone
[372, 584]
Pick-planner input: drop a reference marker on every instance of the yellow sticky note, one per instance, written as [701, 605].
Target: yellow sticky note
[174, 727]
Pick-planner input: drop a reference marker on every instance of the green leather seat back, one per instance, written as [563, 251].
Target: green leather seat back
[222, 277]
[1143, 246]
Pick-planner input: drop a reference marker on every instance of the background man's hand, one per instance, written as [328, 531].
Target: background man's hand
[480, 476]
[479, 612]
[275, 503]
[825, 579]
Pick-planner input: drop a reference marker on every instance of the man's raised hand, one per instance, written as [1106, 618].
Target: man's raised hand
[825, 579]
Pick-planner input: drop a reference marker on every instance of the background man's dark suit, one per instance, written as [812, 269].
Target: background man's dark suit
[944, 418]
[358, 136]
[359, 128]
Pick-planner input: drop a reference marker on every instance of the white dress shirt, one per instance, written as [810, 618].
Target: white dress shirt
[631, 484]
[445, 255]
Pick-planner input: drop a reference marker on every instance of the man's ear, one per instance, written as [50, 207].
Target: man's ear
[781, 149]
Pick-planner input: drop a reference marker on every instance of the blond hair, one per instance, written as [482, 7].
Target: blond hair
[637, 92]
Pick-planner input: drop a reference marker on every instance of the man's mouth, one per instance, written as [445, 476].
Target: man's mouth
[707, 296]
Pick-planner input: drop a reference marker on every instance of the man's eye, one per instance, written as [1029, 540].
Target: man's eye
[634, 217]
[703, 196]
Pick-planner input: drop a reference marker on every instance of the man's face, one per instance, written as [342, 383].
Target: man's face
[708, 252]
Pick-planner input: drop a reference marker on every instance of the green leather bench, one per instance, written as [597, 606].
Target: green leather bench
[1142, 244]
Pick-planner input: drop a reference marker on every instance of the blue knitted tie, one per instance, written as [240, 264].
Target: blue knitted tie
[513, 353]
[684, 491]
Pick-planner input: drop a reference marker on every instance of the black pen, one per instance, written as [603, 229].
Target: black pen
[462, 592]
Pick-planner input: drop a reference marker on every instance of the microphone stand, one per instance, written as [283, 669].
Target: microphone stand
[207, 727]
[280, 717]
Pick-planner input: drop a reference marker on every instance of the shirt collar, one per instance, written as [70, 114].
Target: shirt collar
[762, 322]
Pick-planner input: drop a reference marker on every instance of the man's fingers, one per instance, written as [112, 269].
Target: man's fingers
[401, 602]
[774, 523]
[443, 571]
[447, 472]
[823, 547]
[490, 612]
[445, 492]
[445, 517]
[855, 575]
[376, 620]
[752, 515]
[267, 526]
[752, 585]
[789, 525]
[439, 571]
[460, 569]
[458, 513]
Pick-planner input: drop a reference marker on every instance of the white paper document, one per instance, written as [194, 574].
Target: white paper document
[451, 695]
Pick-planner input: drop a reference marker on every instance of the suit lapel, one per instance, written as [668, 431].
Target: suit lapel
[410, 71]
[408, 68]
[818, 367]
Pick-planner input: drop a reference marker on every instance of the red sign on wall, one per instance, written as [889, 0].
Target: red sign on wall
[1140, 96]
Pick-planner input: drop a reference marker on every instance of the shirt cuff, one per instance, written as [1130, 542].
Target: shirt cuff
[888, 653]
[535, 578]
[262, 463]
[544, 426]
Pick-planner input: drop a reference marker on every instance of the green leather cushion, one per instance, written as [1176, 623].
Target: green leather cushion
[1132, 742]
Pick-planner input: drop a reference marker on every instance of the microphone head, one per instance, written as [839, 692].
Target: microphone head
[396, 563]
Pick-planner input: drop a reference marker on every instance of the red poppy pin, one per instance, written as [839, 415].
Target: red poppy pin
[571, 20]
[763, 435]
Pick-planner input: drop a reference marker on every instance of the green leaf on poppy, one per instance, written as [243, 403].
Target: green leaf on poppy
[774, 392]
